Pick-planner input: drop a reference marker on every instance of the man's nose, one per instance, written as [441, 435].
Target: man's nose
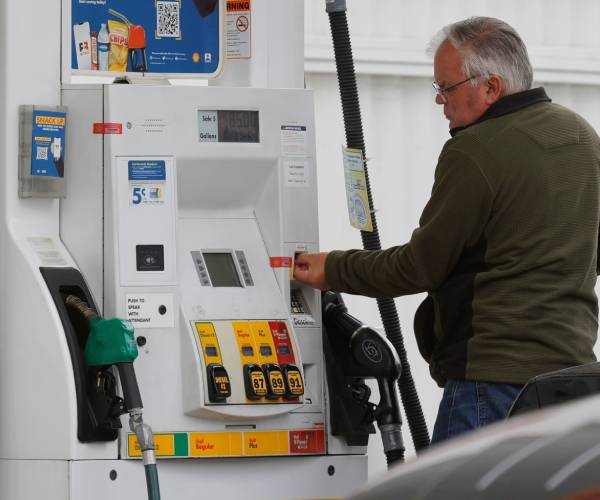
[439, 99]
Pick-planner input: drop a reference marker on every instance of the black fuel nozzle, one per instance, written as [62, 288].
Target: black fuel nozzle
[129, 386]
[370, 355]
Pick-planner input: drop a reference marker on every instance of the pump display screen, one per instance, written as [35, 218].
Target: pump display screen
[228, 126]
[221, 269]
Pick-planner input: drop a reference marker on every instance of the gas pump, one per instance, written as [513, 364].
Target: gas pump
[179, 209]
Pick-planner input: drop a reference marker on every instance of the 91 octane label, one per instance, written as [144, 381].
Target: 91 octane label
[295, 383]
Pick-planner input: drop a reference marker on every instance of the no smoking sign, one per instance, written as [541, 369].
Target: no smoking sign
[239, 27]
[241, 23]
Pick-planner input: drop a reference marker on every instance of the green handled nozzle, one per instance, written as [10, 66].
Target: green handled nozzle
[110, 342]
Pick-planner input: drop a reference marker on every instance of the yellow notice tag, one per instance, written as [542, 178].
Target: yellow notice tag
[356, 190]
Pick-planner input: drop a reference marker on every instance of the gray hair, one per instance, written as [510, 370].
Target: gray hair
[489, 47]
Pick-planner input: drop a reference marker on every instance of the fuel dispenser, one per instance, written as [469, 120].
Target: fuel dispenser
[202, 216]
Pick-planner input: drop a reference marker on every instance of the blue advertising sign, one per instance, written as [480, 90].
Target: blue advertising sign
[48, 144]
[147, 170]
[146, 36]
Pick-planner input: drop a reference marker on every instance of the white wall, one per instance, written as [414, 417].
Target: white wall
[405, 129]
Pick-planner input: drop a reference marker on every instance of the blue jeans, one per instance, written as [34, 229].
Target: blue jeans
[467, 405]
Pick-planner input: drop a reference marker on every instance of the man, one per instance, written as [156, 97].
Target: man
[507, 244]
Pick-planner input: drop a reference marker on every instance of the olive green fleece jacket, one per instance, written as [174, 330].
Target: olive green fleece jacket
[506, 247]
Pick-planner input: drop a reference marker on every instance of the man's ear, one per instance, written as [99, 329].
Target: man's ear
[494, 89]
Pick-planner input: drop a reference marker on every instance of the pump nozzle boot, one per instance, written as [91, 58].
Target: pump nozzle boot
[373, 356]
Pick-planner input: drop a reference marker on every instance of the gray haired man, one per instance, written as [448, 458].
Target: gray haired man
[507, 244]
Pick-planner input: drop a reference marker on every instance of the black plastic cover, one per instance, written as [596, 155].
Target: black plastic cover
[92, 423]
[558, 387]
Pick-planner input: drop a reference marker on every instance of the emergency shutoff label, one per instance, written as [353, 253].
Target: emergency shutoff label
[150, 310]
[146, 182]
[239, 38]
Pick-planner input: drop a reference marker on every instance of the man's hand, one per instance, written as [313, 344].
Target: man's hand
[309, 268]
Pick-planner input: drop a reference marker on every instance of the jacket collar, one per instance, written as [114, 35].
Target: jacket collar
[509, 104]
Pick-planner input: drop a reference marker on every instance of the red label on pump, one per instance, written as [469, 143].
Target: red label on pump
[283, 343]
[108, 128]
[307, 442]
[281, 262]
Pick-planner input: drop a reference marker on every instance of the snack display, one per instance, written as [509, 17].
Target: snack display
[119, 45]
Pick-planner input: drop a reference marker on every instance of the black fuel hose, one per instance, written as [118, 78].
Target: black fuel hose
[355, 139]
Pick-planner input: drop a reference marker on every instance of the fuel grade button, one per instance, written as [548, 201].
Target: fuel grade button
[275, 381]
[294, 385]
[219, 385]
[254, 382]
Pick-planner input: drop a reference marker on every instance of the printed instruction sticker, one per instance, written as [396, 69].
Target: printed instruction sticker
[150, 310]
[356, 190]
[47, 251]
[296, 172]
[48, 143]
[146, 182]
[293, 140]
[238, 29]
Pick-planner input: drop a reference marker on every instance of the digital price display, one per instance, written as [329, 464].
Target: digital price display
[221, 269]
[228, 126]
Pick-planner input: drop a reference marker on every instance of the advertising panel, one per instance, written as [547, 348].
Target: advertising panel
[172, 37]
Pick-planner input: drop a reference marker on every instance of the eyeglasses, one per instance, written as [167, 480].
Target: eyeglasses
[441, 91]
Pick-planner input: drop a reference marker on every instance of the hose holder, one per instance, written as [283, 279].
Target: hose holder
[356, 352]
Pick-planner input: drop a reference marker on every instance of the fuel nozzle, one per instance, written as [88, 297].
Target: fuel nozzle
[111, 342]
[371, 356]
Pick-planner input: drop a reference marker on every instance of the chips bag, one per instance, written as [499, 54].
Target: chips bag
[119, 42]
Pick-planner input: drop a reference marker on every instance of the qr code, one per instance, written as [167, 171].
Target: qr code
[41, 153]
[167, 19]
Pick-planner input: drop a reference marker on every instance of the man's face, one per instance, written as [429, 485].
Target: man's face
[464, 104]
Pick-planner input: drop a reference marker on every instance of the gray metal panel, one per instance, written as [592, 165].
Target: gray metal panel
[24, 479]
[81, 217]
[225, 479]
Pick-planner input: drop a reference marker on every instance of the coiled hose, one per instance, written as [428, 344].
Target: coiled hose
[355, 139]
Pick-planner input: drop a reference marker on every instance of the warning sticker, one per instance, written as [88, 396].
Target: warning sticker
[293, 140]
[238, 28]
[47, 251]
[108, 128]
[296, 172]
